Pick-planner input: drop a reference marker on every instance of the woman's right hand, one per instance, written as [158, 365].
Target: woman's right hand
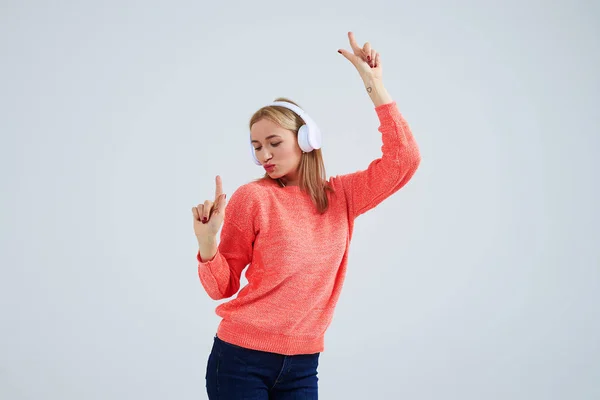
[209, 216]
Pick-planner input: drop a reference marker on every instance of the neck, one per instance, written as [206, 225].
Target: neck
[284, 183]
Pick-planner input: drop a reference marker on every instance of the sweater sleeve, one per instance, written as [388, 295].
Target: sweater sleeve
[220, 276]
[386, 175]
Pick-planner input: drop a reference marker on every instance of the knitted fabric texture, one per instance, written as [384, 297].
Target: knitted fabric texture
[297, 258]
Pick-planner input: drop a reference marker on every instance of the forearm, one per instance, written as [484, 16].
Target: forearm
[207, 247]
[377, 92]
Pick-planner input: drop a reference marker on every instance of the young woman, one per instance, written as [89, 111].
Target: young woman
[293, 228]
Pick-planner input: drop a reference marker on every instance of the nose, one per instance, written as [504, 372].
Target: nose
[265, 156]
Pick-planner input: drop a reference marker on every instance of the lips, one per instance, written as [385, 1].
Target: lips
[269, 167]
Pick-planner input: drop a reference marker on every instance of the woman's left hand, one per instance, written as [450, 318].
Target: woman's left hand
[365, 59]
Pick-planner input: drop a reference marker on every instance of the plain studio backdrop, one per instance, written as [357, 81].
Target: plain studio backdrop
[478, 280]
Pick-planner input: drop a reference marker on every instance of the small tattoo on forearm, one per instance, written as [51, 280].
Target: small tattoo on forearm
[369, 89]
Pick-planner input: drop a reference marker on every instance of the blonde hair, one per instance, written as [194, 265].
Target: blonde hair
[311, 171]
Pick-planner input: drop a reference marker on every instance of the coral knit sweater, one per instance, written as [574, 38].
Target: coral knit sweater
[297, 258]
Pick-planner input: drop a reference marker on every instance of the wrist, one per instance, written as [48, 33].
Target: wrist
[206, 240]
[207, 247]
[377, 91]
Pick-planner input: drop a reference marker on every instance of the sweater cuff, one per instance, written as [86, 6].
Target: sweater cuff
[387, 111]
[207, 262]
[214, 267]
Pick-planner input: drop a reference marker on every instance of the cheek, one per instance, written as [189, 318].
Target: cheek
[289, 152]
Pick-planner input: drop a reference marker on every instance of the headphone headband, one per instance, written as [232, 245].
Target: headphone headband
[301, 113]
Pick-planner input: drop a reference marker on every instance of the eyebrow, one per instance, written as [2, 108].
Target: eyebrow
[268, 137]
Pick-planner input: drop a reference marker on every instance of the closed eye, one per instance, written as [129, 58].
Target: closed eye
[272, 144]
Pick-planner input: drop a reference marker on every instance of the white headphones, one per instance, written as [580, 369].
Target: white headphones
[309, 134]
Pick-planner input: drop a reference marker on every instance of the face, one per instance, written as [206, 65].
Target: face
[276, 145]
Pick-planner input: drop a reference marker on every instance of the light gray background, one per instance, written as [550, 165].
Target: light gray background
[478, 280]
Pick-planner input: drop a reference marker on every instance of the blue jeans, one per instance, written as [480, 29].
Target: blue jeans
[235, 372]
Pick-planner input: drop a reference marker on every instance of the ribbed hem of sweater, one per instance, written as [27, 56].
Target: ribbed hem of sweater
[252, 338]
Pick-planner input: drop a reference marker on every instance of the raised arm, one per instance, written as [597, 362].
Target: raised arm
[400, 153]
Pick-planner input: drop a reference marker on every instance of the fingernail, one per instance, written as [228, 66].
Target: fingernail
[369, 58]
[204, 220]
[339, 52]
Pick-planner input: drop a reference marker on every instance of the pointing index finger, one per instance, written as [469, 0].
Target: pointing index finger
[353, 43]
[219, 187]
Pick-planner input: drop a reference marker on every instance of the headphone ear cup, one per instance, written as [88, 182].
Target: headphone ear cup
[314, 138]
[303, 140]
